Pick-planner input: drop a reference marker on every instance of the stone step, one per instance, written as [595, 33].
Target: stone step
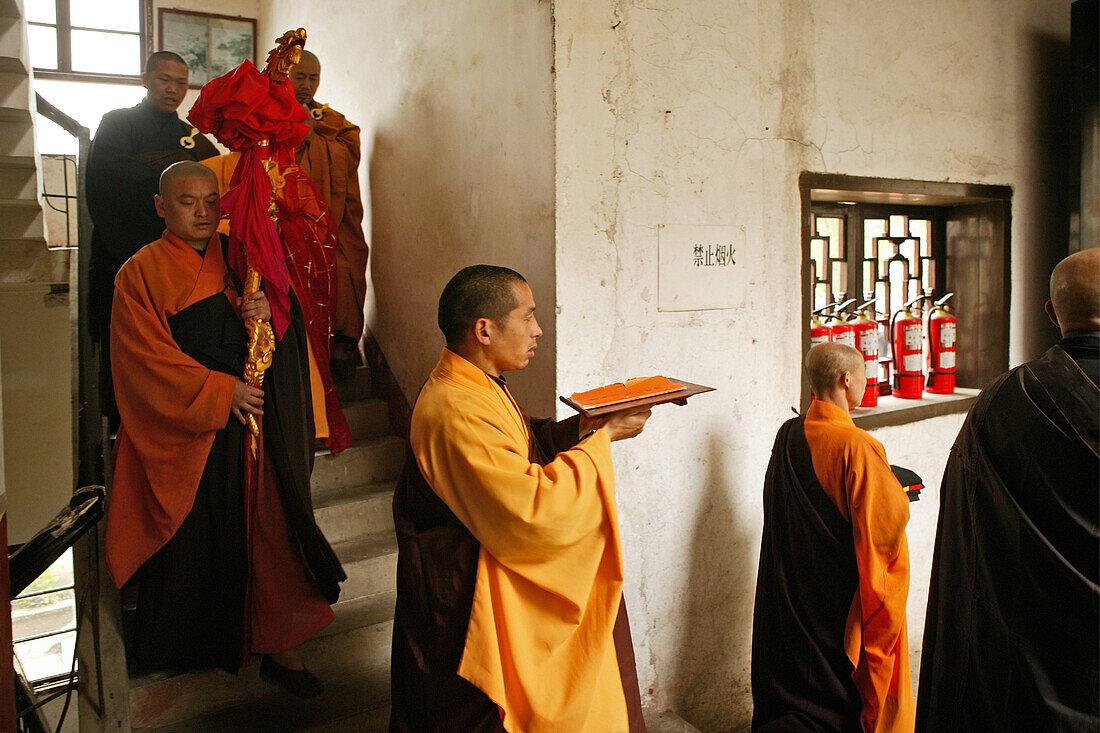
[21, 221]
[11, 45]
[14, 114]
[14, 89]
[356, 511]
[360, 612]
[27, 260]
[368, 461]
[10, 9]
[370, 564]
[367, 417]
[353, 665]
[371, 721]
[18, 182]
[359, 387]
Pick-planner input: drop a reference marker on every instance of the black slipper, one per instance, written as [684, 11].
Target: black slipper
[298, 682]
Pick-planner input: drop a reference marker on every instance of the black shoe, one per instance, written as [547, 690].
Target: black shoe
[298, 682]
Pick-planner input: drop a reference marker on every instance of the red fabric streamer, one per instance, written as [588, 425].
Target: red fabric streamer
[253, 238]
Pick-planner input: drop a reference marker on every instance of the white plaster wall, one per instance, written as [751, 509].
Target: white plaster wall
[706, 112]
[455, 105]
[37, 407]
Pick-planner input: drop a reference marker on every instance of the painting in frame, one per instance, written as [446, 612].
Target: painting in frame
[210, 44]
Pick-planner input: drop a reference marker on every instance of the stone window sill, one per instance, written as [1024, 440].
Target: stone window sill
[897, 411]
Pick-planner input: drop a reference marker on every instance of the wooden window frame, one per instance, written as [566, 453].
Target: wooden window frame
[950, 204]
[63, 28]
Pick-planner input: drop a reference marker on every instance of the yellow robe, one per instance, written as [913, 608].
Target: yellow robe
[854, 472]
[550, 570]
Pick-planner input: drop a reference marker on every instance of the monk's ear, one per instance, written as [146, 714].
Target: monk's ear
[158, 202]
[1049, 308]
[482, 331]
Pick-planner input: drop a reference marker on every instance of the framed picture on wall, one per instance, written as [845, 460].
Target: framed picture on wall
[210, 44]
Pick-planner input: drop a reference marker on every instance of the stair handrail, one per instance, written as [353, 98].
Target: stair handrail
[90, 438]
[62, 120]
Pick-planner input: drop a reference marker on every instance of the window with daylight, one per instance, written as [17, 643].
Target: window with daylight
[92, 40]
[877, 246]
[43, 620]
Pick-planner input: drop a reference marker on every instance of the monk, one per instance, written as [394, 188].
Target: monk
[130, 150]
[221, 570]
[1011, 637]
[330, 157]
[829, 638]
[510, 613]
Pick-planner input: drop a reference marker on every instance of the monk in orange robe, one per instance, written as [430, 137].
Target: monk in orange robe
[830, 644]
[330, 157]
[217, 576]
[510, 614]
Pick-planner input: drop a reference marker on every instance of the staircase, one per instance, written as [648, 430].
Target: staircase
[352, 495]
[24, 258]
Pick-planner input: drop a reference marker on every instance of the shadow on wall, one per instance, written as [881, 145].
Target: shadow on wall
[713, 690]
[1049, 161]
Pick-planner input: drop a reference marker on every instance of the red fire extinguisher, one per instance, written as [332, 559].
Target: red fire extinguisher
[907, 334]
[865, 330]
[841, 330]
[940, 325]
[819, 329]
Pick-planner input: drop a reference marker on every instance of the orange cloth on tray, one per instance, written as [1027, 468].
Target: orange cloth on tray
[631, 389]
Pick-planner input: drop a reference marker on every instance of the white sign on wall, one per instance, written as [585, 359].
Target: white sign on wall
[697, 267]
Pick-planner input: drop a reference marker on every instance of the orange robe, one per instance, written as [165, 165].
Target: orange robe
[549, 569]
[173, 409]
[854, 472]
[330, 157]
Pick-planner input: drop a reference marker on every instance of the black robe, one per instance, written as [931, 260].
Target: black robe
[436, 576]
[801, 675]
[191, 592]
[1011, 635]
[132, 147]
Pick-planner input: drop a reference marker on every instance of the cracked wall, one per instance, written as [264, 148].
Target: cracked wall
[456, 109]
[705, 112]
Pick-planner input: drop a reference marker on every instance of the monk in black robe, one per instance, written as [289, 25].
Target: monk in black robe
[222, 568]
[131, 148]
[1010, 638]
[829, 635]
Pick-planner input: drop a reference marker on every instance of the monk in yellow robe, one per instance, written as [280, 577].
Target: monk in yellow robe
[330, 157]
[830, 646]
[510, 614]
[220, 571]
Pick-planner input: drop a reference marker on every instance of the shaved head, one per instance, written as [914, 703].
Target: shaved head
[305, 77]
[184, 169]
[827, 363]
[1075, 291]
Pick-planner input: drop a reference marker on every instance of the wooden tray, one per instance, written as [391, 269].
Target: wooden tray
[679, 397]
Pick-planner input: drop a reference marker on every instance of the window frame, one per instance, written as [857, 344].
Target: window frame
[947, 201]
[63, 28]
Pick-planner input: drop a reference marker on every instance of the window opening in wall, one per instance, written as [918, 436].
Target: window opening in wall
[880, 254]
[44, 624]
[85, 39]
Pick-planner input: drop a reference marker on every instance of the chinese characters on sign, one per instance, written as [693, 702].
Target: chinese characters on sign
[711, 255]
[697, 267]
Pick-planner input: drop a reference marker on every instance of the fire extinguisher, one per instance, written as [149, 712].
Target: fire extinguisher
[819, 329]
[865, 330]
[841, 330]
[907, 334]
[940, 326]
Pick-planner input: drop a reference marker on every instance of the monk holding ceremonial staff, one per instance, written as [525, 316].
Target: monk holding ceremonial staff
[830, 649]
[510, 613]
[219, 573]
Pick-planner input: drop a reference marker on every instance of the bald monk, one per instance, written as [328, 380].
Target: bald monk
[509, 580]
[217, 576]
[330, 157]
[829, 638]
[1011, 635]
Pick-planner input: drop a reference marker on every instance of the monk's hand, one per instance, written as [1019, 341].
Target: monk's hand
[257, 307]
[626, 424]
[247, 400]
